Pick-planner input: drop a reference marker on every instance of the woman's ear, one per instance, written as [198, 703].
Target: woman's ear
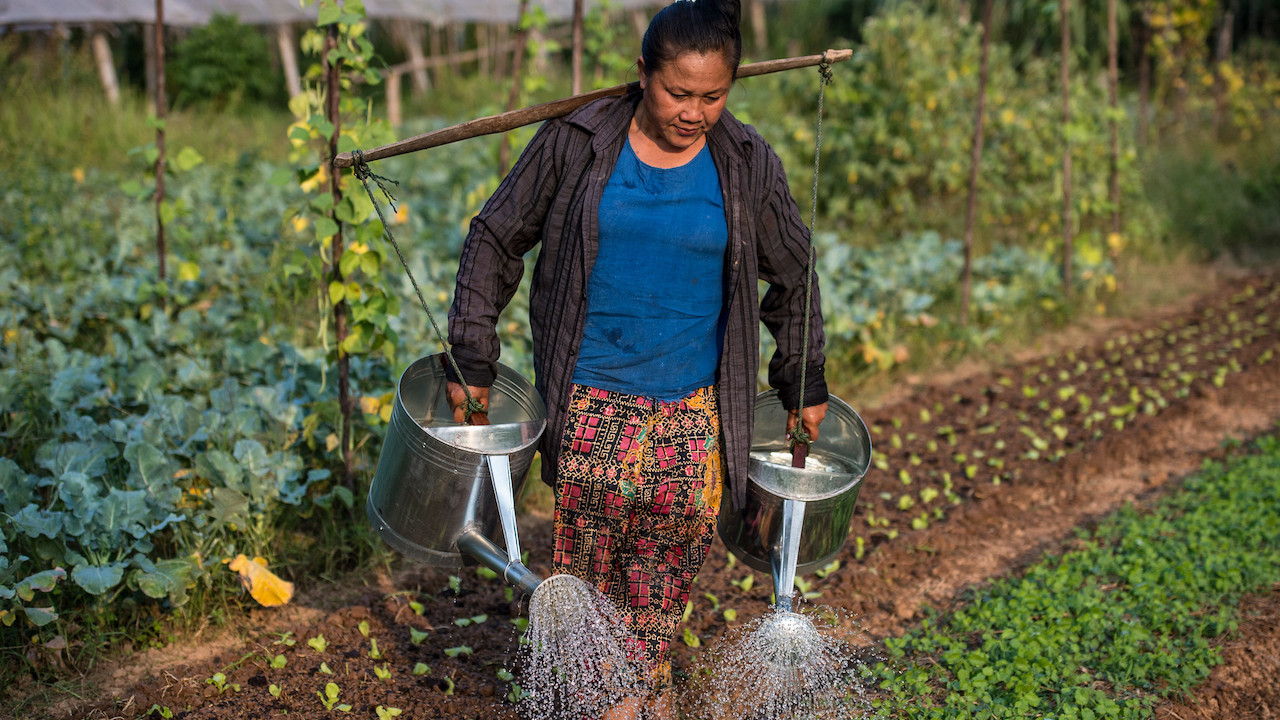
[644, 77]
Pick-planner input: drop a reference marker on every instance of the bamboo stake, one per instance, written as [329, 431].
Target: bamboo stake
[975, 160]
[161, 104]
[1064, 9]
[333, 112]
[1113, 101]
[537, 113]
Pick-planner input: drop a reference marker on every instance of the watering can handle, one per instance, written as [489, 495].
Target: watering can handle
[798, 454]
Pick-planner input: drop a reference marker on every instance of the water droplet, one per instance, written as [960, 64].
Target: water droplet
[784, 665]
[575, 663]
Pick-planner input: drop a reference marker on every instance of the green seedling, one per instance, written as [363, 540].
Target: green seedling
[455, 584]
[421, 669]
[329, 698]
[275, 690]
[160, 710]
[746, 583]
[318, 643]
[374, 653]
[806, 588]
[691, 639]
[416, 636]
[383, 671]
[485, 573]
[827, 569]
[517, 693]
[715, 601]
[730, 615]
[509, 593]
[386, 713]
[286, 639]
[474, 619]
[521, 623]
[219, 681]
[449, 686]
[278, 662]
[363, 627]
[688, 610]
[324, 668]
[417, 607]
[454, 652]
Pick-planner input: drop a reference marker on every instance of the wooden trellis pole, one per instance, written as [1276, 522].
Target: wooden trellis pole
[537, 113]
[1113, 100]
[1064, 8]
[161, 102]
[975, 159]
[333, 85]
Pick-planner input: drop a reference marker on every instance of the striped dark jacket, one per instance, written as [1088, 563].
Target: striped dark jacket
[551, 197]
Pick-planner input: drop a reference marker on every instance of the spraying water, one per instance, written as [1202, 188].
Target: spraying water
[574, 659]
[786, 665]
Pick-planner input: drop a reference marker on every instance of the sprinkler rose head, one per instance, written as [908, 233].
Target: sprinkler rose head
[787, 640]
[559, 602]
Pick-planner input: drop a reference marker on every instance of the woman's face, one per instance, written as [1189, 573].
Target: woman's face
[683, 99]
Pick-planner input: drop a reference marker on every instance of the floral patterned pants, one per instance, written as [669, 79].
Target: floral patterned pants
[637, 496]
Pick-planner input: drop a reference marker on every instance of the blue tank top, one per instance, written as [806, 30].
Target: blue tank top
[655, 296]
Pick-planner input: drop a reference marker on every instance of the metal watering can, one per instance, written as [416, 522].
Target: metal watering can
[796, 518]
[431, 495]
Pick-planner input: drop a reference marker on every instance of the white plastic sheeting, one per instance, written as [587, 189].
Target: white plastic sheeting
[265, 12]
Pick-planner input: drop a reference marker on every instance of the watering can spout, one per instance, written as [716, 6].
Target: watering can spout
[473, 542]
[782, 563]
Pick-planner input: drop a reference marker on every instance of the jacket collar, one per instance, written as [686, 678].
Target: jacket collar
[608, 119]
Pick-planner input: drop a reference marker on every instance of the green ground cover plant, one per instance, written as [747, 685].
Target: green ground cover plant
[1105, 629]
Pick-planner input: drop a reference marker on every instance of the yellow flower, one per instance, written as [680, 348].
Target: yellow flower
[370, 405]
[1115, 242]
[359, 248]
[402, 215]
[300, 223]
[1008, 116]
[931, 103]
[77, 174]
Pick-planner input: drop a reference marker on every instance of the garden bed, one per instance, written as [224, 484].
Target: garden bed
[974, 479]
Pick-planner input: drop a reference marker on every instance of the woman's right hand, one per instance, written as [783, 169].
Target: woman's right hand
[458, 403]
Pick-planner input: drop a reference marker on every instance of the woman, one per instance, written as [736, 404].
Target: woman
[657, 214]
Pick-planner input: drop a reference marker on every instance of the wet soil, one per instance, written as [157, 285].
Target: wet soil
[996, 467]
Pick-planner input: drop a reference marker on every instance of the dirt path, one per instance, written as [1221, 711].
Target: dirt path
[465, 631]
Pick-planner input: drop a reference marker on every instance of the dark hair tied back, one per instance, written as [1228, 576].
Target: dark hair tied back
[698, 26]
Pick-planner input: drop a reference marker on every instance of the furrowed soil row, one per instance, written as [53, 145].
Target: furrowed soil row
[995, 470]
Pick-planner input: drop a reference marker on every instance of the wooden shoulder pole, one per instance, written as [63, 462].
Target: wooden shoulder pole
[513, 119]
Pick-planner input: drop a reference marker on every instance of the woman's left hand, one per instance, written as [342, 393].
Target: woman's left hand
[813, 417]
